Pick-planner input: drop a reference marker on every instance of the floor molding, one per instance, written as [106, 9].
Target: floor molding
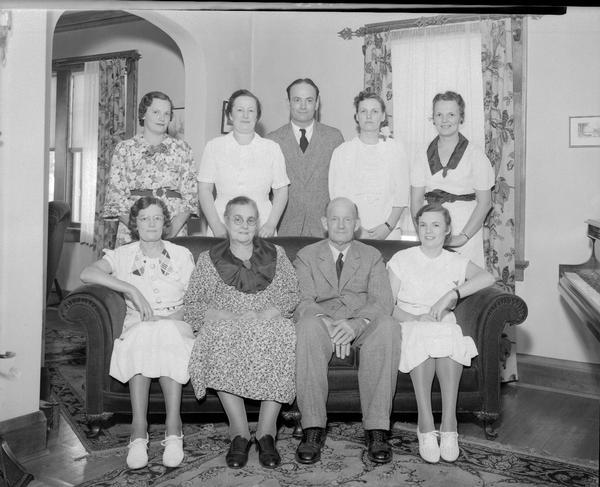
[566, 376]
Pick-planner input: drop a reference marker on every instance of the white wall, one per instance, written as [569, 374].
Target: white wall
[563, 184]
[23, 210]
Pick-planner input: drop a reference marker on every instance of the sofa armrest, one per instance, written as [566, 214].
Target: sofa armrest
[100, 312]
[484, 316]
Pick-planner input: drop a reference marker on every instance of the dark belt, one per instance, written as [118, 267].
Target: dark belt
[439, 196]
[159, 193]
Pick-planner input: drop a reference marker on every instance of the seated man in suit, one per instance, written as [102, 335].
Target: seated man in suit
[307, 146]
[345, 300]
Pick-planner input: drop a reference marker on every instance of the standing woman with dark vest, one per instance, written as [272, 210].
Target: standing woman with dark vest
[457, 174]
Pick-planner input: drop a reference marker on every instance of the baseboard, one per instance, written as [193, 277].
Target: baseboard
[559, 375]
[26, 435]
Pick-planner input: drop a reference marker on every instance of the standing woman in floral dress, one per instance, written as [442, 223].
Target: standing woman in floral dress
[152, 164]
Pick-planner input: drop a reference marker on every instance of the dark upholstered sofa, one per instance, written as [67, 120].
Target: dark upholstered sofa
[100, 312]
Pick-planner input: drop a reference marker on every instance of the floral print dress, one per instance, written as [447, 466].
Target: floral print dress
[137, 165]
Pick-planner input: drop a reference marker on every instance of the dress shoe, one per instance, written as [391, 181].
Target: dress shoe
[268, 456]
[309, 449]
[449, 446]
[378, 449]
[173, 454]
[237, 456]
[428, 446]
[138, 453]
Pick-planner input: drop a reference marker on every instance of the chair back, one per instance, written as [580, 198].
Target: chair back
[59, 217]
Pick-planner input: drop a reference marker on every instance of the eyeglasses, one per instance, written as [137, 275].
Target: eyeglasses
[238, 220]
[148, 219]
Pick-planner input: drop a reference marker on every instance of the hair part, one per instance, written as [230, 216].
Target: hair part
[436, 208]
[241, 201]
[141, 204]
[299, 81]
[450, 96]
[146, 101]
[368, 95]
[243, 92]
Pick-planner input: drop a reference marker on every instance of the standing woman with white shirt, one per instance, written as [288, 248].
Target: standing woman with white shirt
[371, 172]
[456, 173]
[242, 163]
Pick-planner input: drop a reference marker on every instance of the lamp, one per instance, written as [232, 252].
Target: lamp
[5, 27]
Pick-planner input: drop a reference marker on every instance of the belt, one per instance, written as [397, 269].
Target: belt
[441, 196]
[158, 192]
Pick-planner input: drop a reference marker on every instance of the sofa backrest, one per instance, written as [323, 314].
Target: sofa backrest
[197, 244]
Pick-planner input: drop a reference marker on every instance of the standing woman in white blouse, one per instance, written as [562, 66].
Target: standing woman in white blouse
[456, 173]
[242, 163]
[372, 172]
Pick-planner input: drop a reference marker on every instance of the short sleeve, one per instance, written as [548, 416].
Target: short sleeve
[117, 190]
[280, 177]
[188, 185]
[111, 257]
[335, 173]
[208, 164]
[483, 172]
[400, 175]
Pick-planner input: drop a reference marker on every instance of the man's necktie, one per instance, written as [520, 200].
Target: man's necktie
[339, 264]
[303, 140]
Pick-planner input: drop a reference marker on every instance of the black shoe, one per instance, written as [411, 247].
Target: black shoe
[237, 456]
[378, 449]
[268, 456]
[309, 449]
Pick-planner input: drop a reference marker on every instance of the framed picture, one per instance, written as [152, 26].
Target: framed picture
[584, 131]
[176, 126]
[226, 125]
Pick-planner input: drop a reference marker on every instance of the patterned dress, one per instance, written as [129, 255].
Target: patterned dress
[250, 358]
[137, 165]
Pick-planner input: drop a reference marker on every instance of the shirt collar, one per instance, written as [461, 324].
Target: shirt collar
[335, 252]
[309, 130]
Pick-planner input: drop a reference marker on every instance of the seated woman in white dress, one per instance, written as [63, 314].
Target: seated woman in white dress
[427, 282]
[153, 275]
[372, 172]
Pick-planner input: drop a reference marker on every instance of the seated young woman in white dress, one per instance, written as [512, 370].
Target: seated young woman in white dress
[153, 275]
[427, 281]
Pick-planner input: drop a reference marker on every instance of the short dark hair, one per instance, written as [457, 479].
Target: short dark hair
[436, 208]
[243, 92]
[450, 96]
[368, 95]
[141, 204]
[240, 200]
[146, 101]
[298, 81]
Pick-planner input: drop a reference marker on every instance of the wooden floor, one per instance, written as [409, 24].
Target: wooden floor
[534, 420]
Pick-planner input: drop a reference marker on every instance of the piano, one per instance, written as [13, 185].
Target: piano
[579, 285]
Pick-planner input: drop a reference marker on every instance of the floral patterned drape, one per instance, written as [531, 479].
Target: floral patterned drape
[499, 230]
[496, 59]
[111, 130]
[378, 69]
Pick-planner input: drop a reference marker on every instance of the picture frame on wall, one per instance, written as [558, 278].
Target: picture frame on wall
[584, 131]
[176, 127]
[226, 125]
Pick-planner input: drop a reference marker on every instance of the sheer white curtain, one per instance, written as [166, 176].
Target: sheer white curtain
[89, 156]
[427, 61]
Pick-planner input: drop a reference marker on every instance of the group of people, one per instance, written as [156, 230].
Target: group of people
[246, 322]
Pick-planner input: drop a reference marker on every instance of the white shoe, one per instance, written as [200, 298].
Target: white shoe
[138, 453]
[173, 454]
[428, 446]
[449, 445]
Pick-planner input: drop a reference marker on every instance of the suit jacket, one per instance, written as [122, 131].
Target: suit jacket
[308, 172]
[363, 290]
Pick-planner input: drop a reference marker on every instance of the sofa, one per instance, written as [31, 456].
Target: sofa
[100, 311]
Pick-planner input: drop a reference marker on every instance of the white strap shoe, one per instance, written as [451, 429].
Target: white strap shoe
[138, 453]
[428, 446]
[449, 446]
[173, 454]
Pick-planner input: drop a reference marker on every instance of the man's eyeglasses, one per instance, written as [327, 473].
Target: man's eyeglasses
[239, 220]
[148, 219]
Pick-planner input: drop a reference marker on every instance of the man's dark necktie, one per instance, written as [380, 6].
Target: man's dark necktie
[303, 140]
[339, 264]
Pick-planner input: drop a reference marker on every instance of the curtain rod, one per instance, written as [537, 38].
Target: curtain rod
[95, 57]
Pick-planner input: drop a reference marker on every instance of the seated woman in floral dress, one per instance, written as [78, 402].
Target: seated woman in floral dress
[239, 303]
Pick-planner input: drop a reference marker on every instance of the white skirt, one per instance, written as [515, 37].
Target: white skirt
[153, 349]
[422, 340]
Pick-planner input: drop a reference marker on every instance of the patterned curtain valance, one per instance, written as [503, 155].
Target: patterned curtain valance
[127, 55]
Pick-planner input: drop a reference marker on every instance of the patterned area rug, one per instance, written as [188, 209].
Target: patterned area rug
[344, 462]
